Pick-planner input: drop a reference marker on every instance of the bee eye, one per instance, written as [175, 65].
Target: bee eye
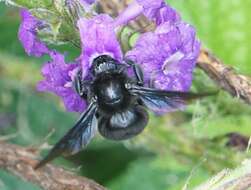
[101, 59]
[97, 61]
[128, 86]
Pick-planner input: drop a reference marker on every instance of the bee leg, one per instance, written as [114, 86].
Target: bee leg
[137, 71]
[80, 86]
[151, 83]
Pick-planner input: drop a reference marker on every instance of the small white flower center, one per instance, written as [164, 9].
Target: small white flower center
[176, 57]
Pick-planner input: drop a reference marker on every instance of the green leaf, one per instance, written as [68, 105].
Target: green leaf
[10, 182]
[54, 22]
[144, 175]
[59, 5]
[30, 3]
[160, 172]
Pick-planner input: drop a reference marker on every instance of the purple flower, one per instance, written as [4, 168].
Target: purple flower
[58, 79]
[88, 1]
[161, 13]
[28, 35]
[58, 75]
[167, 55]
[98, 37]
[155, 10]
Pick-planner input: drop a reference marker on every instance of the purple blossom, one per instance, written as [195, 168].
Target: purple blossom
[98, 37]
[58, 75]
[58, 79]
[88, 1]
[158, 11]
[167, 55]
[28, 35]
[155, 10]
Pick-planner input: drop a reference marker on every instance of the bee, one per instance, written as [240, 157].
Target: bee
[117, 105]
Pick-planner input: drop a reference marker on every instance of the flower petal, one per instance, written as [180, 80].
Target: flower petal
[28, 36]
[88, 1]
[130, 13]
[58, 76]
[167, 56]
[159, 11]
[155, 10]
[97, 37]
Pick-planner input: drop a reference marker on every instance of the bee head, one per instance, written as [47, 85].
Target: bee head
[104, 63]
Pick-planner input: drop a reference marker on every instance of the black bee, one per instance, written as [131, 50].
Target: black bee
[117, 105]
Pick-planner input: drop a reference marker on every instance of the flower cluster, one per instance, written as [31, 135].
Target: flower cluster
[28, 35]
[167, 55]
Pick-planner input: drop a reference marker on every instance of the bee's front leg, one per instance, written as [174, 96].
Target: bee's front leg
[80, 86]
[137, 71]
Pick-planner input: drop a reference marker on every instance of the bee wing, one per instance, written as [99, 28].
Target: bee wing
[76, 138]
[160, 101]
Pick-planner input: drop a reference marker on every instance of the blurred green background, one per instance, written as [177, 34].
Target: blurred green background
[174, 150]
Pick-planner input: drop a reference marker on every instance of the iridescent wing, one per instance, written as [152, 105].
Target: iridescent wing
[160, 101]
[76, 138]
